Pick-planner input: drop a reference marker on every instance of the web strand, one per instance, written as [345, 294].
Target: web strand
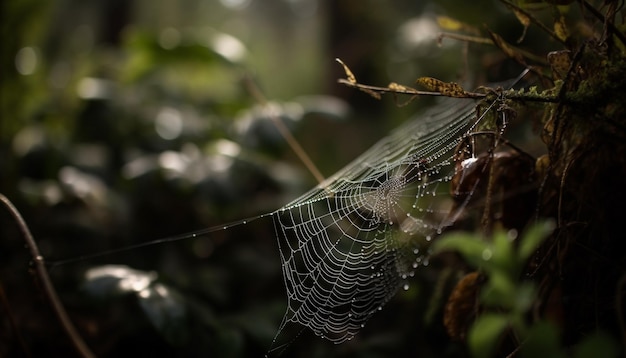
[191, 235]
[350, 243]
[347, 245]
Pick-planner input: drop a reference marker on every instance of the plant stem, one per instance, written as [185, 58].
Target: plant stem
[42, 274]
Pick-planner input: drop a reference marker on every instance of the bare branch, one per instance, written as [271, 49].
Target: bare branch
[42, 274]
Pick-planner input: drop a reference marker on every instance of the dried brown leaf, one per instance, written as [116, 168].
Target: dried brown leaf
[560, 28]
[560, 62]
[371, 93]
[449, 89]
[349, 75]
[395, 87]
[462, 306]
[351, 81]
[506, 47]
[448, 23]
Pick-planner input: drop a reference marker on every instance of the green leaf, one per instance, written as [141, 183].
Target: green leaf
[503, 254]
[469, 246]
[499, 290]
[524, 296]
[533, 237]
[485, 334]
[542, 341]
[598, 345]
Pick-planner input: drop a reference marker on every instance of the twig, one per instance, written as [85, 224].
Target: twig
[490, 41]
[256, 93]
[48, 288]
[515, 351]
[464, 38]
[534, 20]
[406, 90]
[601, 17]
[514, 96]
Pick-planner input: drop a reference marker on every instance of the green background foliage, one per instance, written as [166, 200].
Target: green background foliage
[507, 298]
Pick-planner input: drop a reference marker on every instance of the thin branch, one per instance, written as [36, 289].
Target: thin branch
[488, 41]
[609, 24]
[48, 288]
[464, 38]
[515, 96]
[406, 90]
[256, 93]
[534, 20]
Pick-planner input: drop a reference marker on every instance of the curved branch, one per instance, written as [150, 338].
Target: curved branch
[43, 276]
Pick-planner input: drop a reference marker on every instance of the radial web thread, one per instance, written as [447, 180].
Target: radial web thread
[348, 245]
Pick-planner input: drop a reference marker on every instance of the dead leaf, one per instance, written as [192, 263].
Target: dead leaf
[449, 89]
[462, 306]
[351, 81]
[349, 75]
[560, 61]
[506, 47]
[560, 28]
[396, 88]
[448, 23]
[371, 93]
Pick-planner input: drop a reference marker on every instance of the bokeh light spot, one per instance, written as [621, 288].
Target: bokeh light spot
[26, 61]
[169, 38]
[168, 123]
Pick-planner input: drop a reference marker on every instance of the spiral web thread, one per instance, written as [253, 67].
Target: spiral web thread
[349, 244]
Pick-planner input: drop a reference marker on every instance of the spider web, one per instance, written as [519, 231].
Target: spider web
[350, 243]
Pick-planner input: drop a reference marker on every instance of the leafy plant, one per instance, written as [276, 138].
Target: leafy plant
[506, 297]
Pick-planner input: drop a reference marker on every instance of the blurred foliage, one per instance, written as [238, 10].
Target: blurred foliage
[127, 121]
[506, 299]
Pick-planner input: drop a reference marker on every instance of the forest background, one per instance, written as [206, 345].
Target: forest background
[129, 121]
